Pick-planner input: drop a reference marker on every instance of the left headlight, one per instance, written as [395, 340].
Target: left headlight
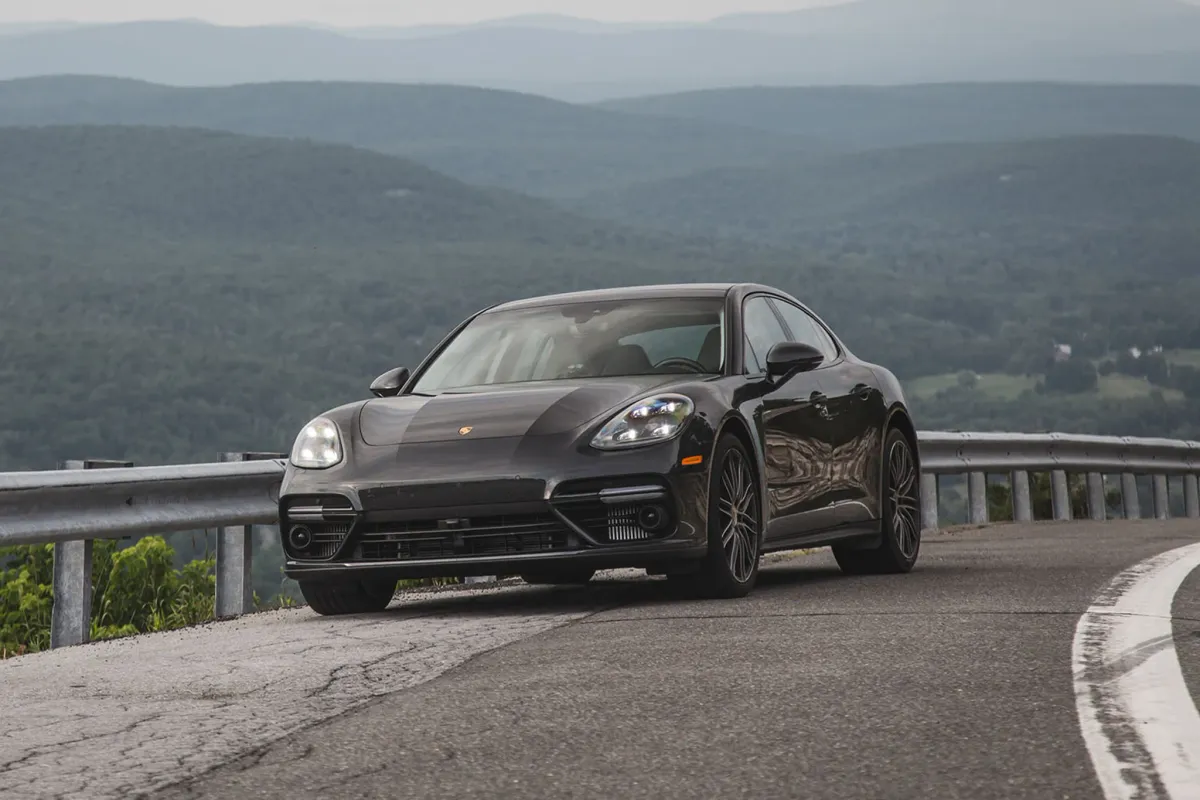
[318, 446]
[650, 420]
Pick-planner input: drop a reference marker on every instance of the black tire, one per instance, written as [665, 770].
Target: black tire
[355, 596]
[900, 507]
[558, 577]
[728, 570]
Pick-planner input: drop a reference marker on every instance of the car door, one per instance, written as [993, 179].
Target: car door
[857, 412]
[795, 430]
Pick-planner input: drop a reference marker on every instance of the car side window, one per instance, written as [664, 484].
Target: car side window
[807, 330]
[762, 330]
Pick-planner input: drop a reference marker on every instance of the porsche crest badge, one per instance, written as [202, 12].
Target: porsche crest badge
[463, 431]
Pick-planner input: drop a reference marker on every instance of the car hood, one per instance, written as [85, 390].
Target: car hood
[520, 410]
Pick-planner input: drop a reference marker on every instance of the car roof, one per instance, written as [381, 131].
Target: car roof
[662, 290]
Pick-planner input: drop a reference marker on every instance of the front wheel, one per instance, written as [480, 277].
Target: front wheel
[353, 596]
[901, 510]
[730, 569]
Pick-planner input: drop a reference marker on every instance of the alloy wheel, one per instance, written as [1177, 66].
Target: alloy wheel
[903, 499]
[738, 508]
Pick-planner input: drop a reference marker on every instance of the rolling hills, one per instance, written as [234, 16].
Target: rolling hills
[558, 150]
[1089, 188]
[523, 142]
[892, 116]
[861, 42]
[211, 185]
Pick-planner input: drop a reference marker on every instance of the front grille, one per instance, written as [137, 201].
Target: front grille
[327, 519]
[499, 535]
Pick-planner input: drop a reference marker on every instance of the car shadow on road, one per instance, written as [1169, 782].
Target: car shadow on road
[605, 592]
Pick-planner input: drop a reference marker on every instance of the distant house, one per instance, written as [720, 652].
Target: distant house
[1062, 352]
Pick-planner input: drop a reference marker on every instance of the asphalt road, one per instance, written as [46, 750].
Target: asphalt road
[952, 682]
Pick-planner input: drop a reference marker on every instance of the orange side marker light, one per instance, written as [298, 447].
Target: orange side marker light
[692, 461]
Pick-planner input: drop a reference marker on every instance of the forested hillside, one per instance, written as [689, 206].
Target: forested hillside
[172, 293]
[1097, 183]
[1017, 247]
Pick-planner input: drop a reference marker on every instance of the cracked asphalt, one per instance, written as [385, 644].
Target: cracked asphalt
[114, 718]
[951, 682]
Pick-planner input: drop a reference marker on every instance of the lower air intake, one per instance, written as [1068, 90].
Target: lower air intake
[623, 525]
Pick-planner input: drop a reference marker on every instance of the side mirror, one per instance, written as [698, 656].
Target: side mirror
[390, 383]
[787, 357]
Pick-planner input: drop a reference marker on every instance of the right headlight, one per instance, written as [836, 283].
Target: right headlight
[653, 419]
[318, 446]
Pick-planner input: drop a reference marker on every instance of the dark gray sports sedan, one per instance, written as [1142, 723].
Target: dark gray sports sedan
[684, 430]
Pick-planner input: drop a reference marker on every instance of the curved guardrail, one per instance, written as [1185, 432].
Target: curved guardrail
[88, 500]
[1019, 454]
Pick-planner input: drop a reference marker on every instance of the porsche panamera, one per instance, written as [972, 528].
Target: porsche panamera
[686, 430]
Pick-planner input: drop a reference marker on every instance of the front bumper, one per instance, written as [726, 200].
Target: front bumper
[492, 522]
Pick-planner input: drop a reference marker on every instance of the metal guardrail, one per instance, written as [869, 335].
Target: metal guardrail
[103, 499]
[72, 507]
[980, 454]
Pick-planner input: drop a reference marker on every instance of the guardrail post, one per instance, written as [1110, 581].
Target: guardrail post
[71, 612]
[1162, 503]
[235, 557]
[1021, 499]
[1191, 495]
[1129, 496]
[1097, 502]
[929, 501]
[1060, 495]
[977, 492]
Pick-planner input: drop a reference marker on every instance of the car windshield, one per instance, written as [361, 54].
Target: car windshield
[582, 340]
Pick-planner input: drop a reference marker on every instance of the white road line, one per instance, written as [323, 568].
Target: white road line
[1137, 717]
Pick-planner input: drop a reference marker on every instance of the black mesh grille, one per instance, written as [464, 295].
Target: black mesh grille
[509, 534]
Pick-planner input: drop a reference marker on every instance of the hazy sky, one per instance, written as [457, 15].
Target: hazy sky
[377, 12]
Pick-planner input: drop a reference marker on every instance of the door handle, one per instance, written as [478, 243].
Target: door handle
[818, 397]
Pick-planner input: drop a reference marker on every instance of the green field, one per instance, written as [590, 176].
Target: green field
[1010, 387]
[1186, 358]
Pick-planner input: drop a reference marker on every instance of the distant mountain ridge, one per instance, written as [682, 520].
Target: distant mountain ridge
[887, 116]
[483, 136]
[862, 42]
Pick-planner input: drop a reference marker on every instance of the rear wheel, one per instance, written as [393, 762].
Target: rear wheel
[558, 577]
[355, 596]
[730, 569]
[901, 510]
